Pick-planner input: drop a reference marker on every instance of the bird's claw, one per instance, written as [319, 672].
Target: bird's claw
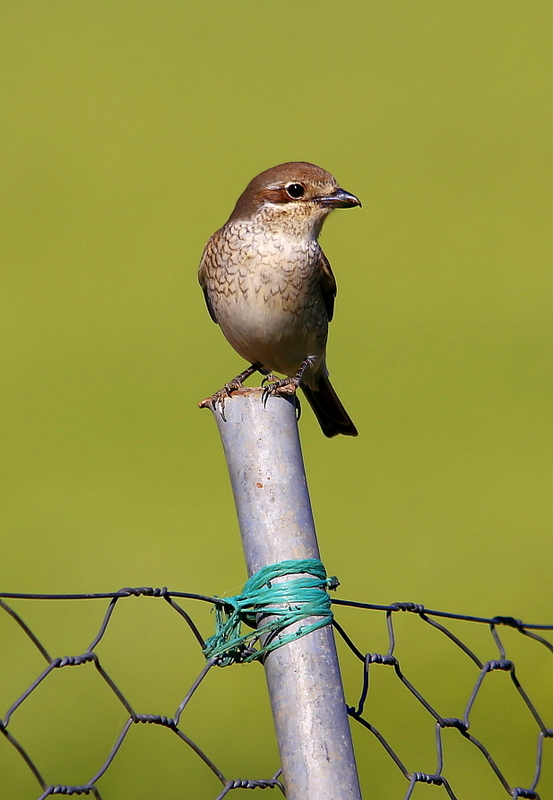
[231, 386]
[221, 396]
[285, 386]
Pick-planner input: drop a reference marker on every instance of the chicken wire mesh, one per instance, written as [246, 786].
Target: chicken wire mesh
[483, 671]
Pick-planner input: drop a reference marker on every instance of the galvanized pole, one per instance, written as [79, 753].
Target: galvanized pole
[267, 474]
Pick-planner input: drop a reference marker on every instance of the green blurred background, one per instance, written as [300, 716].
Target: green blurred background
[128, 129]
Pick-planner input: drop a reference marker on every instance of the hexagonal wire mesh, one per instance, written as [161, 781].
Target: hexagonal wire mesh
[483, 669]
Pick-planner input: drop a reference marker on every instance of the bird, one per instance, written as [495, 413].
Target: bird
[271, 289]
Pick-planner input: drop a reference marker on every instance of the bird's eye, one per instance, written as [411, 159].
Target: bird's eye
[295, 190]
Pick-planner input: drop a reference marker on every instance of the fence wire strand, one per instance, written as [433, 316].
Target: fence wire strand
[483, 670]
[462, 725]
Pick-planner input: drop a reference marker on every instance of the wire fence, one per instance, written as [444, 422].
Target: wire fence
[483, 669]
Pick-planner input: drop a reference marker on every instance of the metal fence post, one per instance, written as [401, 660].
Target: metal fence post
[267, 474]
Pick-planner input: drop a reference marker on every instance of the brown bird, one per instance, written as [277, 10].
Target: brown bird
[269, 285]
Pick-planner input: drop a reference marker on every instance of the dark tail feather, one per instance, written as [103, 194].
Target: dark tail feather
[333, 417]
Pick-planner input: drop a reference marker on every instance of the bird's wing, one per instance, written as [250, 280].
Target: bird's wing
[207, 265]
[328, 284]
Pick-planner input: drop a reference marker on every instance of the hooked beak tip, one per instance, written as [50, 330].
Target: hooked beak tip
[340, 199]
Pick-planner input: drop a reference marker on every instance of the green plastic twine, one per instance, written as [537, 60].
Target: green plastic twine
[285, 602]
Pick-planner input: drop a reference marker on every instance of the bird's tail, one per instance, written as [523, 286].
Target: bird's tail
[331, 414]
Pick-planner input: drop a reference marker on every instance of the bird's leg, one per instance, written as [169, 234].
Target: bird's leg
[237, 383]
[286, 385]
[232, 386]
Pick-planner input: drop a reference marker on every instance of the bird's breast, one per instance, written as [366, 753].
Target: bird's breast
[268, 299]
[268, 270]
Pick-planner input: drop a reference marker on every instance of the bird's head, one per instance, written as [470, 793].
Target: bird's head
[294, 197]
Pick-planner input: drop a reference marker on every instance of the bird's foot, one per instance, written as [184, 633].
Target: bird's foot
[288, 385]
[285, 386]
[220, 397]
[232, 386]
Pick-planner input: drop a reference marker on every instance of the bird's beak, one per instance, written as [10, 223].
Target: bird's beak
[339, 199]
